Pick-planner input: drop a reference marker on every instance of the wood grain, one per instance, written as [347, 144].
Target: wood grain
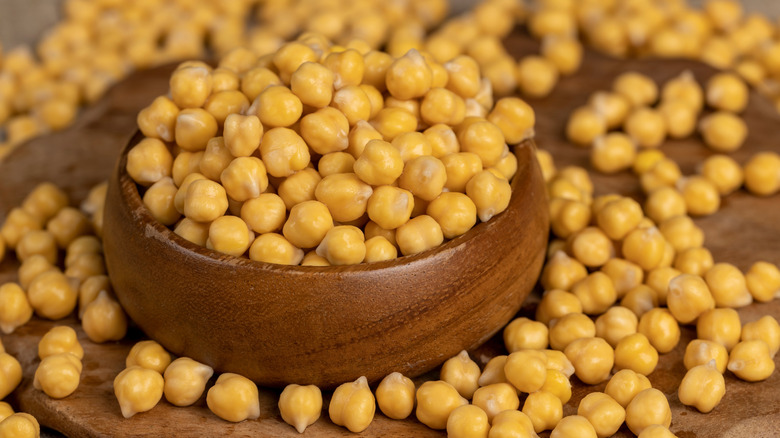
[747, 229]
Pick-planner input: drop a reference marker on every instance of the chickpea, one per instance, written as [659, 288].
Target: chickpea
[137, 390]
[10, 373]
[20, 425]
[60, 339]
[615, 324]
[761, 174]
[640, 299]
[625, 275]
[602, 411]
[645, 247]
[44, 201]
[555, 304]
[395, 396]
[104, 320]
[568, 216]
[662, 173]
[419, 234]
[58, 375]
[648, 407]
[681, 232]
[592, 358]
[52, 295]
[727, 92]
[694, 261]
[688, 298]
[536, 76]
[751, 361]
[148, 354]
[722, 171]
[523, 333]
[5, 411]
[467, 421]
[766, 329]
[596, 293]
[680, 118]
[661, 328]
[494, 371]
[300, 406]
[619, 217]
[435, 401]
[702, 352]
[568, 328]
[625, 385]
[637, 88]
[496, 398]
[462, 373]
[584, 126]
[562, 272]
[656, 431]
[526, 370]
[16, 309]
[544, 410]
[511, 423]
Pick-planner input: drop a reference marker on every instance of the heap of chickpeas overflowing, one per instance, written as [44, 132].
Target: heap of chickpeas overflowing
[309, 132]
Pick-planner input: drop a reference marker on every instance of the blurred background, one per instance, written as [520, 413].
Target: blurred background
[23, 21]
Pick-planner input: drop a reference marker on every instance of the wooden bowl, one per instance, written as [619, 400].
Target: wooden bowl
[325, 325]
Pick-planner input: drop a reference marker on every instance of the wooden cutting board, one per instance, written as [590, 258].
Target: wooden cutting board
[746, 229]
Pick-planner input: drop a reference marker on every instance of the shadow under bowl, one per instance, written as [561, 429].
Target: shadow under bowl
[325, 325]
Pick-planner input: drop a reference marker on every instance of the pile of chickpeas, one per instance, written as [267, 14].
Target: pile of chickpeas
[327, 155]
[621, 276]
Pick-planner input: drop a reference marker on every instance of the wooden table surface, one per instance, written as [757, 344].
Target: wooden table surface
[746, 229]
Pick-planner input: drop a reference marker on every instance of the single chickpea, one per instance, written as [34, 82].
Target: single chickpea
[494, 371]
[496, 398]
[313, 82]
[5, 411]
[723, 131]
[688, 298]
[574, 425]
[640, 299]
[612, 153]
[602, 412]
[555, 304]
[467, 421]
[514, 117]
[343, 245]
[525, 334]
[728, 286]
[104, 320]
[702, 352]
[195, 232]
[661, 328]
[185, 381]
[52, 295]
[409, 76]
[233, 398]
[16, 310]
[435, 401]
[557, 382]
[254, 81]
[568, 216]
[544, 410]
[619, 217]
[680, 118]
[190, 86]
[159, 199]
[763, 281]
[694, 261]
[656, 431]
[637, 88]
[557, 360]
[511, 423]
[17, 223]
[762, 173]
[724, 172]
[592, 358]
[766, 329]
[10, 373]
[562, 272]
[536, 76]
[44, 201]
[242, 134]
[526, 370]
[462, 373]
[646, 126]
[645, 247]
[60, 339]
[751, 361]
[596, 293]
[283, 151]
[663, 173]
[681, 232]
[275, 248]
[300, 406]
[634, 352]
[625, 275]
[216, 157]
[584, 126]
[395, 396]
[137, 390]
[658, 279]
[148, 354]
[568, 328]
[727, 92]
[648, 407]
[615, 324]
[58, 375]
[625, 384]
[684, 88]
[20, 425]
[591, 246]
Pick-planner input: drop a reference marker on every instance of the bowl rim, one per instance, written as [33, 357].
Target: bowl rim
[131, 195]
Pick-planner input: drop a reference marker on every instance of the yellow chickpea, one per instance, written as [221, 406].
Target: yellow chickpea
[20, 425]
[555, 304]
[190, 86]
[523, 333]
[602, 411]
[511, 423]
[723, 131]
[284, 152]
[544, 410]
[242, 134]
[325, 130]
[727, 92]
[148, 354]
[137, 390]
[60, 339]
[751, 361]
[645, 247]
[45, 201]
[596, 292]
[52, 295]
[343, 245]
[149, 161]
[625, 385]
[536, 76]
[584, 126]
[455, 212]
[702, 352]
[104, 320]
[680, 118]
[300, 406]
[11, 372]
[496, 398]
[647, 408]
[395, 396]
[185, 381]
[435, 402]
[615, 324]
[58, 375]
[526, 370]
[16, 310]
[647, 126]
[688, 298]
[637, 88]
[766, 329]
[661, 328]
[625, 275]
[725, 173]
[592, 358]
[761, 173]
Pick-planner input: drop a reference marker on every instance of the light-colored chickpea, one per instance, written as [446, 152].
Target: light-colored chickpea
[300, 406]
[185, 381]
[494, 371]
[10, 372]
[602, 411]
[763, 281]
[728, 286]
[526, 370]
[568, 328]
[562, 272]
[584, 126]
[44, 201]
[555, 304]
[353, 405]
[495, 398]
[701, 352]
[395, 396]
[648, 407]
[647, 126]
[702, 387]
[343, 245]
[284, 152]
[5, 410]
[467, 421]
[544, 410]
[701, 196]
[17, 223]
[661, 328]
[148, 354]
[662, 173]
[419, 234]
[644, 246]
[325, 130]
[60, 339]
[52, 295]
[462, 373]
[724, 172]
[625, 384]
[634, 352]
[751, 361]
[345, 195]
[619, 217]
[20, 425]
[694, 261]
[511, 423]
[640, 299]
[275, 248]
[16, 309]
[761, 173]
[681, 232]
[680, 118]
[727, 92]
[615, 324]
[234, 398]
[205, 200]
[688, 298]
[68, 224]
[596, 293]
[525, 334]
[137, 390]
[592, 358]
[435, 401]
[104, 320]
[159, 199]
[58, 375]
[766, 329]
[244, 178]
